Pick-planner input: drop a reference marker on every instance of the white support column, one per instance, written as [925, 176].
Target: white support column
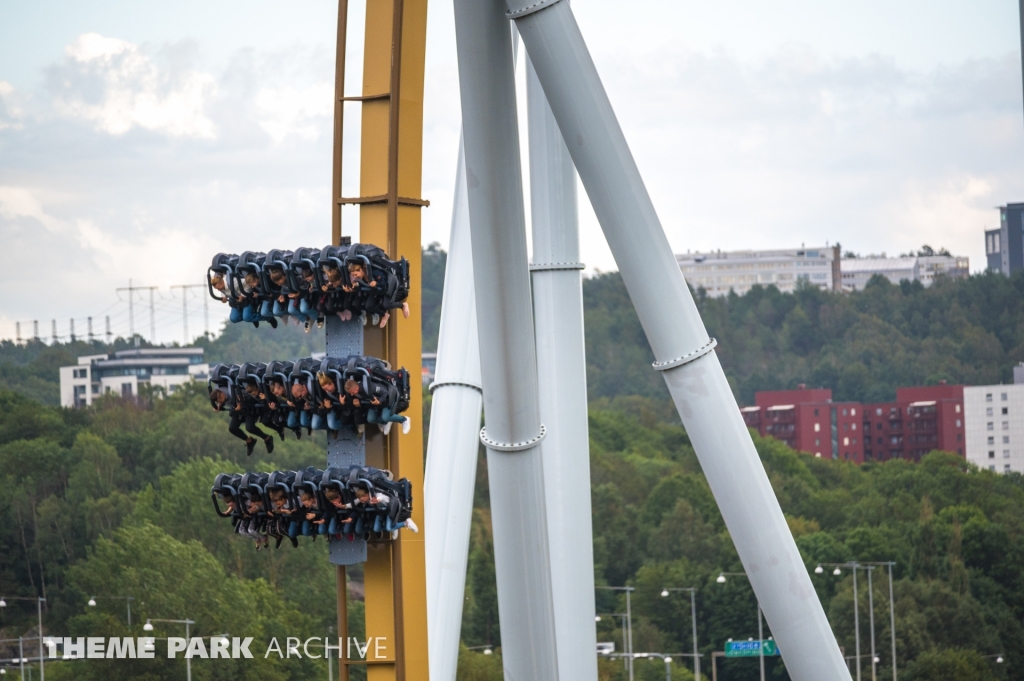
[562, 378]
[452, 445]
[508, 359]
[678, 338]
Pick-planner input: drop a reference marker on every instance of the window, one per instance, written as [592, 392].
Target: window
[1003, 397]
[878, 411]
[817, 442]
[846, 426]
[854, 426]
[991, 440]
[988, 397]
[992, 468]
[853, 412]
[1006, 439]
[854, 440]
[991, 455]
[1006, 468]
[815, 412]
[881, 441]
[817, 426]
[959, 437]
[1006, 425]
[1005, 411]
[846, 442]
[990, 426]
[844, 411]
[958, 423]
[879, 426]
[988, 412]
[958, 409]
[1006, 453]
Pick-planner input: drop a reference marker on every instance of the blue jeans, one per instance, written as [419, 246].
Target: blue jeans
[333, 422]
[383, 416]
[252, 314]
[296, 419]
[293, 310]
[273, 308]
[308, 310]
[236, 315]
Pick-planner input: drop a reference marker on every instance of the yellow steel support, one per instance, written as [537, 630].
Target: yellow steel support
[390, 184]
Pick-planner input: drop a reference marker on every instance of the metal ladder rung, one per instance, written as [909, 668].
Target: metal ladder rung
[365, 98]
[383, 198]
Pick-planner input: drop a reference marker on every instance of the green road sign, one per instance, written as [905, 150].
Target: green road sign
[750, 649]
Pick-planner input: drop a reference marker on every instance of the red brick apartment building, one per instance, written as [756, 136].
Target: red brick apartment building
[920, 420]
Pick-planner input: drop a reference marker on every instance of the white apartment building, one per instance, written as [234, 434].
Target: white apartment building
[994, 426]
[721, 272]
[121, 374]
[856, 272]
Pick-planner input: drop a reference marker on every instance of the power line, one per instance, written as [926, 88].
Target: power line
[131, 309]
[184, 308]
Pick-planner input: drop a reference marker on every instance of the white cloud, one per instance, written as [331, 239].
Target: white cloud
[17, 202]
[305, 113]
[10, 112]
[114, 85]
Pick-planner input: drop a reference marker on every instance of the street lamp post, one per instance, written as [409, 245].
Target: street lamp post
[869, 566]
[693, 622]
[664, 658]
[721, 579]
[148, 626]
[39, 611]
[629, 622]
[871, 621]
[127, 599]
[853, 565]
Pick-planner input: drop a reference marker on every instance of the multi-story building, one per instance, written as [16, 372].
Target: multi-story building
[1004, 246]
[718, 273]
[121, 374]
[809, 421]
[995, 426]
[856, 272]
[920, 420]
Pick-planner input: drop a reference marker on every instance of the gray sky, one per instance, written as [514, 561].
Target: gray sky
[137, 139]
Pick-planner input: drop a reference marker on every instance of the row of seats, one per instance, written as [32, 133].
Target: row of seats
[358, 501]
[311, 394]
[350, 280]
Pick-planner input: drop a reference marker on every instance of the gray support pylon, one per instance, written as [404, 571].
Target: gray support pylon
[452, 445]
[678, 338]
[508, 360]
[562, 378]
